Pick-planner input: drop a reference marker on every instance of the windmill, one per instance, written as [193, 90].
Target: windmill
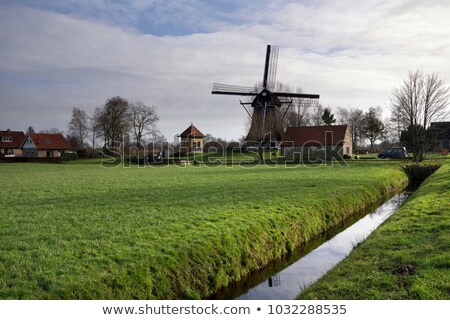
[266, 125]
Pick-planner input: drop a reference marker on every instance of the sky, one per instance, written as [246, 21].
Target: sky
[57, 55]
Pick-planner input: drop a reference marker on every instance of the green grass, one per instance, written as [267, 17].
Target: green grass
[80, 231]
[227, 155]
[408, 257]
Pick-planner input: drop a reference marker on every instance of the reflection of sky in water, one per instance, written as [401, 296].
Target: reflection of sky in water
[312, 266]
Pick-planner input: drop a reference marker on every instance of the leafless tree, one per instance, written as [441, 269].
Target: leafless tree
[397, 124]
[143, 120]
[316, 115]
[78, 126]
[51, 131]
[98, 125]
[299, 112]
[353, 117]
[420, 100]
[112, 119]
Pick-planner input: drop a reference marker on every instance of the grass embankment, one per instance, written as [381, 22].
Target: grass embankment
[408, 257]
[86, 232]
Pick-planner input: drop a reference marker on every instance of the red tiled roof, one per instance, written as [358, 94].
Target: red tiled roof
[49, 141]
[192, 132]
[313, 136]
[16, 136]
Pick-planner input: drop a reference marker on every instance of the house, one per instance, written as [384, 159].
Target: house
[441, 130]
[317, 142]
[44, 145]
[10, 142]
[192, 140]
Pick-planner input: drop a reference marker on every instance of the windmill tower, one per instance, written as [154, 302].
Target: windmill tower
[267, 125]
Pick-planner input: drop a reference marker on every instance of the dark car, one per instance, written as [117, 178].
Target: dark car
[394, 153]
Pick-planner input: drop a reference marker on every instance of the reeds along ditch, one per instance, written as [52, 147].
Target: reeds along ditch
[417, 173]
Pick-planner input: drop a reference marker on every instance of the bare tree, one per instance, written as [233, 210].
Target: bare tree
[78, 126]
[398, 124]
[112, 119]
[143, 120]
[98, 125]
[342, 115]
[299, 112]
[354, 118]
[316, 115]
[94, 128]
[420, 100]
[51, 131]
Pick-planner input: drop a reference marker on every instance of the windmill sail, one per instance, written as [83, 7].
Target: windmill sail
[266, 123]
[270, 69]
[219, 88]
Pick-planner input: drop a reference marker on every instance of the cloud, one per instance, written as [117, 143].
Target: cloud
[53, 58]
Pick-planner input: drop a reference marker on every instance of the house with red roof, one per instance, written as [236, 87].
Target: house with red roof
[317, 142]
[192, 139]
[44, 145]
[10, 142]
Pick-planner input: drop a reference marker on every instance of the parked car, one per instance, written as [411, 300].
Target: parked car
[252, 148]
[394, 153]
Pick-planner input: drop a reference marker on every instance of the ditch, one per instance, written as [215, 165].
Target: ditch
[286, 278]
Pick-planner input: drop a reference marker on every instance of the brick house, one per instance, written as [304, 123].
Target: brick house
[44, 145]
[10, 142]
[317, 142]
[192, 140]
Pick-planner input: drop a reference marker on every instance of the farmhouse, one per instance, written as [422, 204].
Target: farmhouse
[44, 145]
[192, 139]
[10, 142]
[442, 133]
[317, 142]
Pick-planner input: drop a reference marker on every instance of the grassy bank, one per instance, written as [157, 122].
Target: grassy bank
[82, 231]
[408, 257]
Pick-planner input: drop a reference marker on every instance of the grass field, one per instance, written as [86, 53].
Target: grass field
[406, 258]
[80, 231]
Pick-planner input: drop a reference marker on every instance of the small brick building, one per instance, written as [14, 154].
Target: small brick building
[192, 139]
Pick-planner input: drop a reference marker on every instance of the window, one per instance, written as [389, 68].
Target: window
[199, 144]
[6, 139]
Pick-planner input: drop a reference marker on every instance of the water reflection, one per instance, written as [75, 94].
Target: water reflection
[288, 283]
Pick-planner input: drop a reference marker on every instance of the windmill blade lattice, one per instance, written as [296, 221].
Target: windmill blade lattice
[220, 88]
[270, 72]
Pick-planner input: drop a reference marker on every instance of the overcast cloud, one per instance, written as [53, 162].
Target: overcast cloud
[57, 55]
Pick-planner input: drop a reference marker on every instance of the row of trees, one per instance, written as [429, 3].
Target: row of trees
[420, 100]
[112, 122]
[364, 126]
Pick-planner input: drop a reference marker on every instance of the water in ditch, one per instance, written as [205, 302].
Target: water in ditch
[288, 277]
